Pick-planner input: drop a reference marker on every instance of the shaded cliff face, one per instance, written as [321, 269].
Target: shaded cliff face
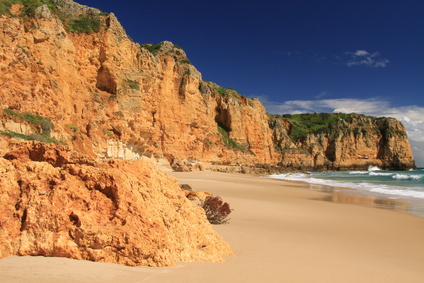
[109, 97]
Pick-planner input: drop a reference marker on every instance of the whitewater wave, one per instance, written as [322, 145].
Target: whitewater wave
[374, 168]
[373, 173]
[392, 183]
[407, 177]
[359, 172]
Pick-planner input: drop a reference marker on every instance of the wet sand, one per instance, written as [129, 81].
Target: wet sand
[280, 231]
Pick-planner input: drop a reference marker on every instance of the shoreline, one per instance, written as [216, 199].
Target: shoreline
[354, 196]
[280, 231]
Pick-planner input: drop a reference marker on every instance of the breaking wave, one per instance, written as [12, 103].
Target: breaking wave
[393, 183]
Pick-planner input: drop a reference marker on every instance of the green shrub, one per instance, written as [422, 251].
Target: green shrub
[298, 132]
[33, 137]
[221, 90]
[229, 91]
[108, 133]
[45, 139]
[86, 25]
[185, 61]
[45, 123]
[29, 6]
[15, 135]
[323, 123]
[154, 49]
[5, 7]
[131, 85]
[314, 123]
[11, 112]
[229, 142]
[73, 127]
[278, 148]
[183, 81]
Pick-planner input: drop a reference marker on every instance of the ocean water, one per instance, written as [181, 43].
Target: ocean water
[374, 182]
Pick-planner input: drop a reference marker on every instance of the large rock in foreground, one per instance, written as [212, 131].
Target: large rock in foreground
[56, 202]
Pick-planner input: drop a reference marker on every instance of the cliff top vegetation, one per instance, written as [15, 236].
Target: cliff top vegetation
[76, 18]
[319, 123]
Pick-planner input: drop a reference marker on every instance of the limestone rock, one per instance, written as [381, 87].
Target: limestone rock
[56, 202]
[137, 101]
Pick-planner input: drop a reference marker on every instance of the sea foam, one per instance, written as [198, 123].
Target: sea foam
[375, 180]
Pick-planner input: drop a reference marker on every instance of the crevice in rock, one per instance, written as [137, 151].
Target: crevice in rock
[106, 81]
[330, 152]
[23, 220]
[75, 219]
[223, 118]
[107, 191]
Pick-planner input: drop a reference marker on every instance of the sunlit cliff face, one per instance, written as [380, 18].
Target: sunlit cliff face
[109, 97]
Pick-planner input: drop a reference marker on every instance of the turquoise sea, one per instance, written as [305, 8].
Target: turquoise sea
[405, 186]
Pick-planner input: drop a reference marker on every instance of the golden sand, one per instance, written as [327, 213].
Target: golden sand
[280, 232]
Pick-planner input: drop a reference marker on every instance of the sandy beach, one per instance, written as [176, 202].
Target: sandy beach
[280, 231]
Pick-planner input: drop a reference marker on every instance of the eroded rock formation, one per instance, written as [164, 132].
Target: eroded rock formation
[57, 202]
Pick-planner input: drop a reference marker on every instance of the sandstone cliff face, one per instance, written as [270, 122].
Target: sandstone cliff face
[356, 144]
[109, 97]
[56, 202]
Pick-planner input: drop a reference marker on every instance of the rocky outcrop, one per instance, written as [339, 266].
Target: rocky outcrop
[57, 202]
[352, 142]
[109, 97]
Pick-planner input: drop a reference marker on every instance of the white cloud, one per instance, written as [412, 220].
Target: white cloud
[361, 53]
[364, 58]
[412, 117]
[322, 94]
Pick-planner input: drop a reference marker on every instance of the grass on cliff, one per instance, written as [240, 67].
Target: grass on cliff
[175, 51]
[130, 85]
[229, 142]
[152, 48]
[33, 137]
[29, 6]
[45, 124]
[222, 91]
[79, 25]
[5, 7]
[335, 123]
[313, 123]
[85, 25]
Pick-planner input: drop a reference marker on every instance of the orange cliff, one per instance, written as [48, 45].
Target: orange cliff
[109, 97]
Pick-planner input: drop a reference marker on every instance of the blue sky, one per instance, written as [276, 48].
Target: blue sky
[301, 55]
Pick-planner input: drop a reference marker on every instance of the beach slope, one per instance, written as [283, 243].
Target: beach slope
[279, 231]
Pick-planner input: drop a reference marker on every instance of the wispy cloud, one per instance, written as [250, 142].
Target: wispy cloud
[350, 59]
[412, 116]
[364, 58]
[322, 94]
[345, 105]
